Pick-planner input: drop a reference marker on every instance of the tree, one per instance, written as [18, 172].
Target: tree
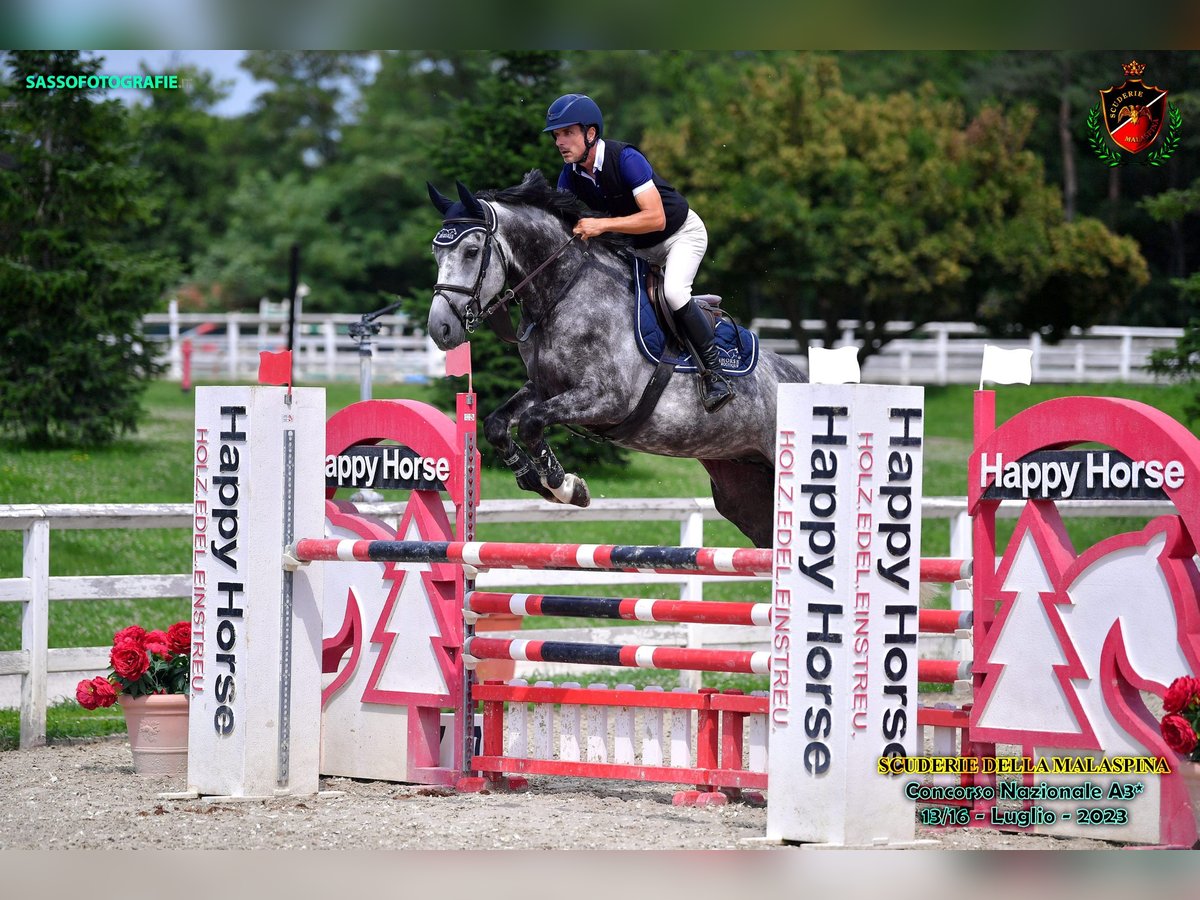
[1181, 362]
[296, 123]
[362, 220]
[181, 144]
[73, 362]
[822, 204]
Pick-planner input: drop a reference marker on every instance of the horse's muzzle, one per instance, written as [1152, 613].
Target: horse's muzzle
[444, 326]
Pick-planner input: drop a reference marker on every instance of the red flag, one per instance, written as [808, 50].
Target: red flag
[458, 360]
[275, 368]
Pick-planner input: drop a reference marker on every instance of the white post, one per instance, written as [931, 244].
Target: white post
[174, 354]
[653, 744]
[264, 313]
[255, 721]
[1035, 358]
[330, 330]
[1079, 368]
[943, 356]
[35, 633]
[435, 359]
[681, 734]
[961, 547]
[232, 336]
[541, 727]
[1126, 354]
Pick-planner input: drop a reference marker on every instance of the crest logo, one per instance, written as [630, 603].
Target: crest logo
[1137, 118]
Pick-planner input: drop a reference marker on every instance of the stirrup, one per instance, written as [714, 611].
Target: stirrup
[703, 389]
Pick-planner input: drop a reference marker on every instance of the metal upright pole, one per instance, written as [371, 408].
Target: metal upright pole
[364, 366]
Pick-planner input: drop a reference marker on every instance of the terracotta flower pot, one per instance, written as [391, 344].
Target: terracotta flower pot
[158, 732]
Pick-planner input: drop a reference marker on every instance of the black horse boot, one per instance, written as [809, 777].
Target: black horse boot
[693, 323]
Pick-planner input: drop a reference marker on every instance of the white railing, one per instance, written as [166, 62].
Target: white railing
[226, 346]
[951, 352]
[35, 662]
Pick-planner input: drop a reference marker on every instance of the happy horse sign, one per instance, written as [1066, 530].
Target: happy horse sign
[844, 611]
[254, 725]
[337, 669]
[1067, 641]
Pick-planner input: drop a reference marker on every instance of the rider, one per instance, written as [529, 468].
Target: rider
[616, 178]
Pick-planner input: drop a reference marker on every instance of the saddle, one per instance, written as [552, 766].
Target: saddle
[709, 303]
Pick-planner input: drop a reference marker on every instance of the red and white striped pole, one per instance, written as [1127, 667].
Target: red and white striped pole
[616, 557]
[635, 609]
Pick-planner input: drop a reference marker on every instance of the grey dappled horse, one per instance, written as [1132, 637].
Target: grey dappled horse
[578, 346]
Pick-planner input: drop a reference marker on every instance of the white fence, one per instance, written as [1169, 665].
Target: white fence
[36, 673]
[227, 346]
[951, 352]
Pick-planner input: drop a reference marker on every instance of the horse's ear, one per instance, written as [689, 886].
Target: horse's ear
[442, 202]
[469, 200]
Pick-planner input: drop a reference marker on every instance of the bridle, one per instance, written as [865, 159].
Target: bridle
[476, 310]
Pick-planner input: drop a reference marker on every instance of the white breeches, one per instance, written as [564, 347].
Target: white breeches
[680, 257]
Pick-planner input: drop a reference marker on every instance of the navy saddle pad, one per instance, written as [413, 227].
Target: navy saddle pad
[738, 348]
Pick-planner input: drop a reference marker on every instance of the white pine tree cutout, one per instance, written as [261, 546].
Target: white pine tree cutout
[1026, 694]
[411, 665]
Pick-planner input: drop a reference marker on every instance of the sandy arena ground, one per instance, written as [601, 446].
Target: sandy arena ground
[71, 795]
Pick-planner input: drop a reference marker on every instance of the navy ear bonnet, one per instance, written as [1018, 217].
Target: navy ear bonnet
[462, 217]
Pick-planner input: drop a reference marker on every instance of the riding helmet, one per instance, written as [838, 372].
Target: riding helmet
[574, 109]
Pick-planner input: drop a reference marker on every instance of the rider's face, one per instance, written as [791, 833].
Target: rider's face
[570, 143]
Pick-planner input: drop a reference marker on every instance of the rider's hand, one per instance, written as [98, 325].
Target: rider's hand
[589, 228]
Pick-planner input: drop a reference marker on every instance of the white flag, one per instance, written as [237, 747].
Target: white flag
[838, 366]
[1006, 366]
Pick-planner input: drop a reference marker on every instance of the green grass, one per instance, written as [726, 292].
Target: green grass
[66, 721]
[154, 466]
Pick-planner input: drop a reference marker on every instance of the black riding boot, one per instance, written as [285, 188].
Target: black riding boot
[693, 323]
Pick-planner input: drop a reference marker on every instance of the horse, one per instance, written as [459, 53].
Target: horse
[578, 312]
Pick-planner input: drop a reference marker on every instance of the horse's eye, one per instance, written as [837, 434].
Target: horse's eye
[471, 252]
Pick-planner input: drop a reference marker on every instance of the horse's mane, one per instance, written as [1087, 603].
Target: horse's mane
[535, 191]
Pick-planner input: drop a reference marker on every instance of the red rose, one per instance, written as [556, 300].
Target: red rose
[1178, 734]
[1181, 692]
[156, 642]
[129, 660]
[179, 637]
[85, 693]
[104, 692]
[135, 633]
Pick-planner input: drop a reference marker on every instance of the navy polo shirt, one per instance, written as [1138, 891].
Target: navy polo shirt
[634, 168]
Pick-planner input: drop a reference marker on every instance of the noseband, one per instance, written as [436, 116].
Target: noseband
[476, 309]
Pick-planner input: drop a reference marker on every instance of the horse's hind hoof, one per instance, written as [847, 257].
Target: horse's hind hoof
[573, 490]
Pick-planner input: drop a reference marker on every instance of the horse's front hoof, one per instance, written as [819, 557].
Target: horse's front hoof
[580, 495]
[573, 490]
